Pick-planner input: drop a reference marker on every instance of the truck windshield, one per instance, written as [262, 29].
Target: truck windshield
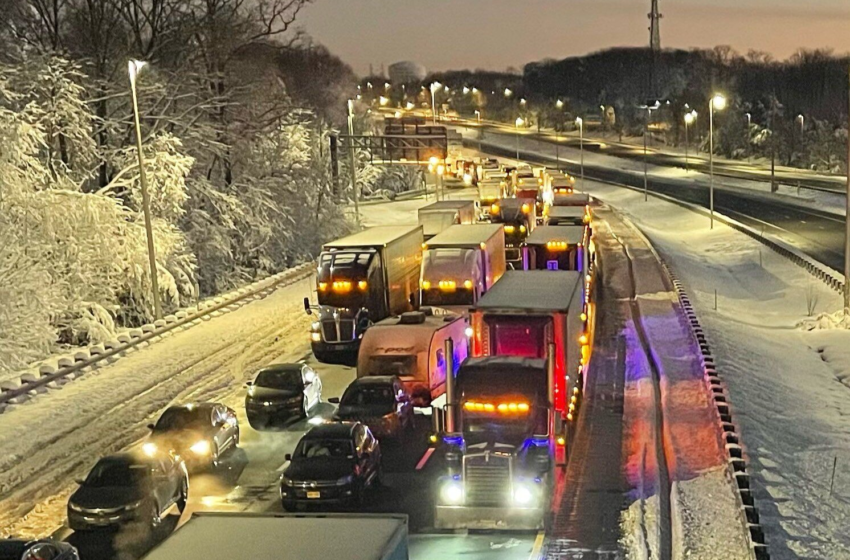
[343, 278]
[403, 365]
[517, 425]
[452, 266]
[518, 336]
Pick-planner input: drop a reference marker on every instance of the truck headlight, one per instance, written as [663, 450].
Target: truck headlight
[149, 448]
[316, 337]
[200, 448]
[452, 492]
[523, 495]
[315, 326]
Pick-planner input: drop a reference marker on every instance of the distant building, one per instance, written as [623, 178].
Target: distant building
[406, 72]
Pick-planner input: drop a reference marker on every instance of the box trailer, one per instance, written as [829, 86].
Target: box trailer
[571, 199]
[362, 279]
[247, 536]
[568, 216]
[437, 216]
[557, 248]
[412, 346]
[519, 216]
[461, 264]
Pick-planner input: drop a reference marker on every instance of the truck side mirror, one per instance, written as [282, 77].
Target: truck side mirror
[307, 306]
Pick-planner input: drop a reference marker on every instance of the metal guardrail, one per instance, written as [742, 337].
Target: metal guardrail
[145, 333]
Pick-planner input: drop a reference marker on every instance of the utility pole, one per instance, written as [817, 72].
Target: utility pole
[134, 67]
[352, 163]
[847, 225]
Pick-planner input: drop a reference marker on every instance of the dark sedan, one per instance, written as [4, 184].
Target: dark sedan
[129, 489]
[21, 549]
[282, 392]
[333, 463]
[381, 402]
[200, 433]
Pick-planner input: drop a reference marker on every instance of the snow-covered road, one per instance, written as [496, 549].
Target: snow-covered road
[785, 384]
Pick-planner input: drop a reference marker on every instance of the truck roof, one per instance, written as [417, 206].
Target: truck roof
[566, 212]
[575, 199]
[230, 536]
[543, 234]
[532, 290]
[379, 236]
[464, 235]
[443, 205]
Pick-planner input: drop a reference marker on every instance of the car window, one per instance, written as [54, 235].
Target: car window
[368, 395]
[183, 419]
[289, 379]
[109, 474]
[314, 448]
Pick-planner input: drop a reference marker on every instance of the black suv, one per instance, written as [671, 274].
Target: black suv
[381, 402]
[333, 464]
[128, 489]
[200, 433]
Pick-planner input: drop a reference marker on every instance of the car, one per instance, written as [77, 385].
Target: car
[129, 489]
[45, 549]
[282, 392]
[334, 463]
[200, 433]
[381, 402]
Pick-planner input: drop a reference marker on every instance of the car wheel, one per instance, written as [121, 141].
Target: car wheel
[183, 498]
[258, 422]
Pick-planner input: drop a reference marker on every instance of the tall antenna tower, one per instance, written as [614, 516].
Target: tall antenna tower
[654, 28]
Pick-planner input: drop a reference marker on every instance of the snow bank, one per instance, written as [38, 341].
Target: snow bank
[791, 404]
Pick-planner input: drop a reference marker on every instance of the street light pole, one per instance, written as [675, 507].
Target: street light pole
[717, 102]
[847, 234]
[580, 123]
[135, 67]
[434, 87]
[688, 119]
[352, 163]
[518, 122]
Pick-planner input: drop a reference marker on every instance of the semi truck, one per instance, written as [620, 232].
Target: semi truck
[557, 248]
[509, 405]
[438, 216]
[362, 279]
[461, 264]
[279, 536]
[519, 216]
[412, 346]
[491, 190]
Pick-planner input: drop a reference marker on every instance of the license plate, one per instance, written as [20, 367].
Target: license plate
[314, 495]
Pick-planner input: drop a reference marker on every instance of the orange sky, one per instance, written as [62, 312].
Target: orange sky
[495, 34]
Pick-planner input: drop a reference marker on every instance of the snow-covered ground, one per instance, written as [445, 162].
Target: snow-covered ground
[790, 388]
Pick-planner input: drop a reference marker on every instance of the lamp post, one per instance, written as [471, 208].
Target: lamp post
[649, 110]
[518, 123]
[478, 116]
[690, 117]
[802, 120]
[580, 124]
[602, 120]
[716, 103]
[558, 105]
[134, 67]
[749, 125]
[351, 162]
[434, 87]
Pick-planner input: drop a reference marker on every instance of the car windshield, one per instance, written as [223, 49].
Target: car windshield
[182, 419]
[280, 379]
[366, 395]
[397, 364]
[117, 474]
[334, 448]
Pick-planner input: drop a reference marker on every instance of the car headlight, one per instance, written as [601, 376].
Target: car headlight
[452, 492]
[134, 505]
[200, 448]
[286, 481]
[346, 480]
[523, 495]
[149, 448]
[75, 507]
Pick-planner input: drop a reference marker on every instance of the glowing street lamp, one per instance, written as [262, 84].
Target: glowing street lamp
[522, 102]
[465, 90]
[134, 67]
[508, 92]
[802, 120]
[383, 101]
[717, 103]
[559, 104]
[434, 87]
[690, 117]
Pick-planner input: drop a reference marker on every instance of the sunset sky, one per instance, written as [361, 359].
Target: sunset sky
[495, 34]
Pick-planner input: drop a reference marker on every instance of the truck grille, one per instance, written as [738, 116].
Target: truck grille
[486, 483]
[344, 334]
